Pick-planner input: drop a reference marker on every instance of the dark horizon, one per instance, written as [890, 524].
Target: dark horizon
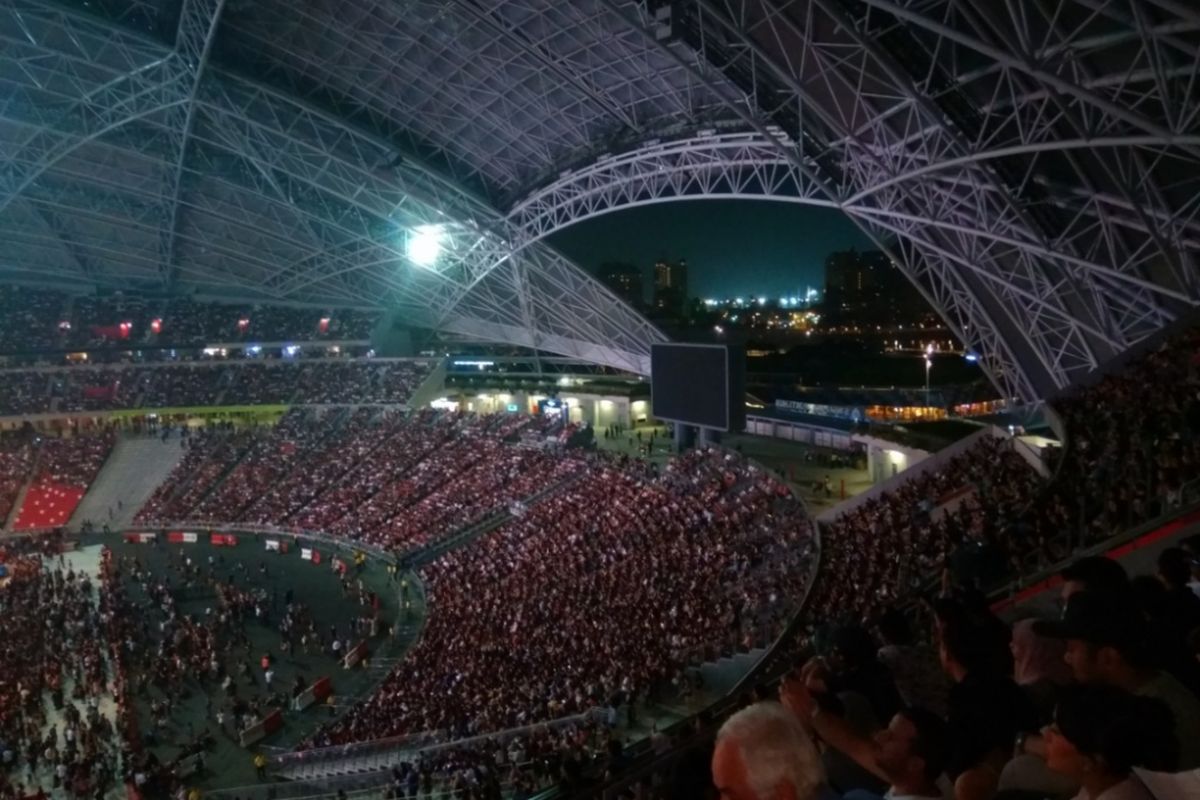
[747, 247]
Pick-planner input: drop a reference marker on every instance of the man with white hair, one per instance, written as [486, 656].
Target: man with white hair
[764, 753]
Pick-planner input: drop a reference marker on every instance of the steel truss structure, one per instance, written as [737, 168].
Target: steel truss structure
[1032, 165]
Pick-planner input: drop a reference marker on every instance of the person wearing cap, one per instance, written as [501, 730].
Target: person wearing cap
[1106, 646]
[1100, 733]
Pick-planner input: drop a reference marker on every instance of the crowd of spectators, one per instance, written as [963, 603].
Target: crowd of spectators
[54, 740]
[610, 586]
[1046, 707]
[257, 384]
[24, 392]
[1083, 701]
[464, 474]
[64, 469]
[73, 460]
[879, 553]
[96, 389]
[180, 387]
[358, 472]
[360, 380]
[163, 653]
[331, 458]
[594, 596]
[29, 318]
[392, 480]
[103, 321]
[273, 453]
[1134, 441]
[16, 461]
[315, 382]
[33, 320]
[186, 321]
[211, 455]
[56, 473]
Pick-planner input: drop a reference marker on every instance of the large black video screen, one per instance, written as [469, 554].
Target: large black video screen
[697, 384]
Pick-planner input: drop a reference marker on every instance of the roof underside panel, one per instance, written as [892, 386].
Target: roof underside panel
[1033, 166]
[508, 90]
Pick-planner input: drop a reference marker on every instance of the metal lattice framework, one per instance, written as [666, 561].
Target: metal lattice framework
[1033, 165]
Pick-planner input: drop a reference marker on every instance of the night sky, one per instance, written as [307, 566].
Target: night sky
[732, 246]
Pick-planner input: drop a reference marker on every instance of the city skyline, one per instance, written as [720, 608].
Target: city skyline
[731, 247]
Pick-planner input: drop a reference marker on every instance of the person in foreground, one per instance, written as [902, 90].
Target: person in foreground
[764, 753]
[910, 754]
[1107, 646]
[1100, 733]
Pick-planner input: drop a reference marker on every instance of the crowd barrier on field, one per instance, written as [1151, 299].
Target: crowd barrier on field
[189, 765]
[261, 729]
[316, 693]
[286, 538]
[355, 655]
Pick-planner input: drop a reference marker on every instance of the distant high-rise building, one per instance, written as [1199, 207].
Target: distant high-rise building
[670, 286]
[867, 286]
[624, 280]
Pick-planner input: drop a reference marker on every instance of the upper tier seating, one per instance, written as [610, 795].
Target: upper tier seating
[231, 383]
[45, 320]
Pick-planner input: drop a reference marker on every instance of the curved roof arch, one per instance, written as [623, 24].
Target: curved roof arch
[1035, 169]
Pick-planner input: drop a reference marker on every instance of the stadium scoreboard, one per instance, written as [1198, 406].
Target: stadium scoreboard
[699, 384]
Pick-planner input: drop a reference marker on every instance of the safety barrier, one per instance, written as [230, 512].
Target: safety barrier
[260, 730]
[382, 754]
[316, 693]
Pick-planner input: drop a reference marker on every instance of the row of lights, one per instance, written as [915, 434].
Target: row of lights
[785, 302]
[156, 324]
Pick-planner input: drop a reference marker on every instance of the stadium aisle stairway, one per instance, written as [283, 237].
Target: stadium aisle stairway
[136, 466]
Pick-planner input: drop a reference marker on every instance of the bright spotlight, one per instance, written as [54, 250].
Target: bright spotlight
[425, 244]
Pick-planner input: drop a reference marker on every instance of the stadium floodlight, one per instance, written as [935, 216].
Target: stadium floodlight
[424, 244]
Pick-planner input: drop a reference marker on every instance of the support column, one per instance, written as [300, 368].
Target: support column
[684, 436]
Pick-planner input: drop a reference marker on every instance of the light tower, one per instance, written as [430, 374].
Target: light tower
[928, 366]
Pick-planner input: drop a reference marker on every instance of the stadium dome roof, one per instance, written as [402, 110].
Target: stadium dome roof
[1033, 167]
